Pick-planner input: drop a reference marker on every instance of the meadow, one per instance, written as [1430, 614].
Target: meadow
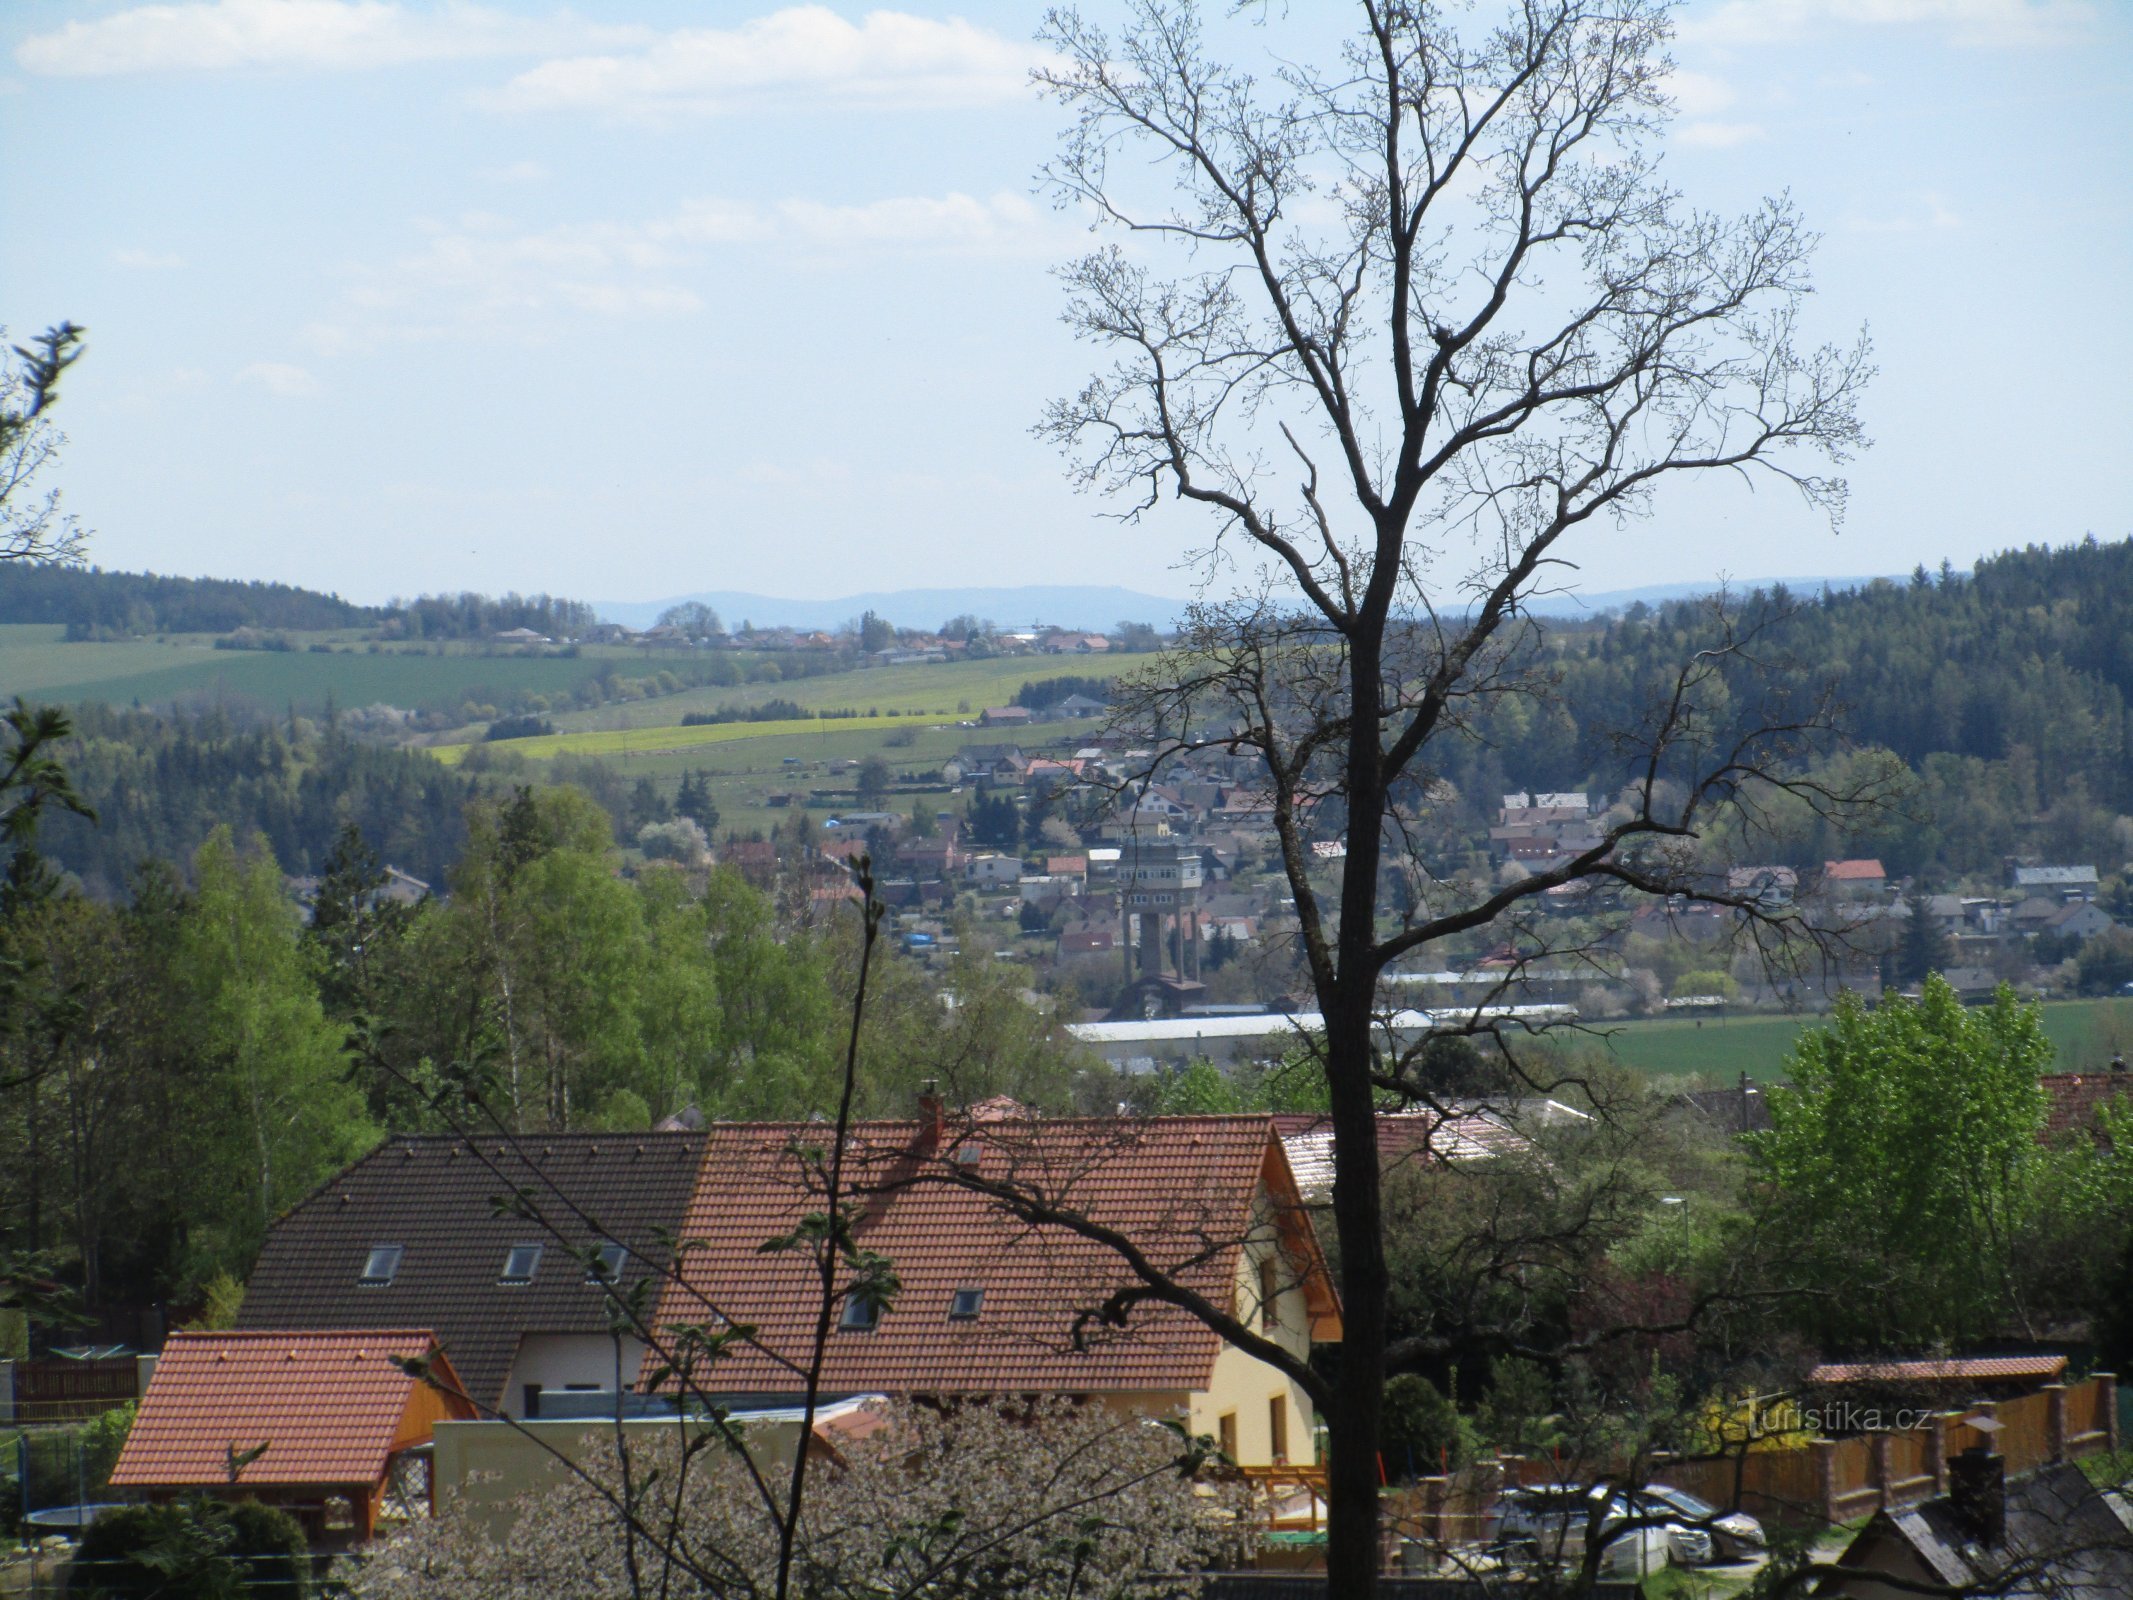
[755, 759]
[38, 662]
[936, 688]
[1718, 1050]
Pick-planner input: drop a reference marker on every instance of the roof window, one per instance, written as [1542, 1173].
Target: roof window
[966, 1305]
[606, 1265]
[521, 1263]
[862, 1312]
[381, 1265]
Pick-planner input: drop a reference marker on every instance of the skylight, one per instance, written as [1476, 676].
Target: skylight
[861, 1313]
[966, 1305]
[606, 1266]
[521, 1263]
[381, 1265]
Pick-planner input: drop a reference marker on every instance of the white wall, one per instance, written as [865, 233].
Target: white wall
[558, 1360]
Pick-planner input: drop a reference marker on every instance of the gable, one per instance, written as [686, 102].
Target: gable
[1185, 1190]
[437, 1199]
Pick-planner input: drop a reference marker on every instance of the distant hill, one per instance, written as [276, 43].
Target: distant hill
[1080, 606]
[1063, 606]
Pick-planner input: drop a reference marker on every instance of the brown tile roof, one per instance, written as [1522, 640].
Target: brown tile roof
[328, 1407]
[1183, 1188]
[436, 1198]
[2073, 1100]
[1972, 1369]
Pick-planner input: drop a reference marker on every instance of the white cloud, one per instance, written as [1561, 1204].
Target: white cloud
[1924, 212]
[1975, 23]
[1718, 135]
[331, 35]
[887, 59]
[147, 260]
[515, 172]
[487, 275]
[1699, 94]
[280, 377]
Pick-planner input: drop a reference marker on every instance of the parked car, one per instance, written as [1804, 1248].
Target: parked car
[1551, 1522]
[1735, 1536]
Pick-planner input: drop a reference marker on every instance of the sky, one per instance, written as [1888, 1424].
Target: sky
[388, 297]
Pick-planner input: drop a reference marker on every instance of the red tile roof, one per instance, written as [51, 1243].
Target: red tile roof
[1182, 1188]
[2074, 1099]
[328, 1407]
[1966, 1370]
[1854, 871]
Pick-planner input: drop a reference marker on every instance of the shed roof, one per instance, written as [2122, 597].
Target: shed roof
[437, 1198]
[328, 1406]
[1184, 1189]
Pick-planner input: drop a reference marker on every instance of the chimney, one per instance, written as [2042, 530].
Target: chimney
[932, 1119]
[1977, 1494]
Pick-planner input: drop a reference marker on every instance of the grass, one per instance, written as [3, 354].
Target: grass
[747, 765]
[36, 661]
[1720, 1049]
[940, 688]
[609, 743]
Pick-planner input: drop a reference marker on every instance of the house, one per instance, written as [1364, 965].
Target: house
[2074, 1102]
[1004, 717]
[1059, 642]
[1854, 880]
[327, 1425]
[993, 871]
[2079, 919]
[1076, 867]
[1076, 708]
[411, 1237]
[522, 636]
[1087, 941]
[998, 1299]
[1771, 888]
[2052, 1533]
[2064, 883]
[1450, 1136]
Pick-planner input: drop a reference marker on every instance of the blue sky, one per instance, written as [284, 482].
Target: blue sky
[647, 298]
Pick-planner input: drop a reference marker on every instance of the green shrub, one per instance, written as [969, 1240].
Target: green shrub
[192, 1550]
[1421, 1429]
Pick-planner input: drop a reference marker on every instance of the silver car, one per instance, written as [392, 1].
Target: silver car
[1733, 1535]
[1550, 1523]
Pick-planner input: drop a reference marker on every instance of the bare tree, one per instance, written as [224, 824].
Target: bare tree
[1404, 325]
[34, 529]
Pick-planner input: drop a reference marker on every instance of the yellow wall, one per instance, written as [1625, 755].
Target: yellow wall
[1245, 1385]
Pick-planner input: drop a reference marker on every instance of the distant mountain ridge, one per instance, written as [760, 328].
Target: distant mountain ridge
[1088, 606]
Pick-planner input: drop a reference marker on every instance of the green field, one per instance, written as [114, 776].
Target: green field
[612, 743]
[36, 661]
[2081, 1031]
[751, 763]
[939, 688]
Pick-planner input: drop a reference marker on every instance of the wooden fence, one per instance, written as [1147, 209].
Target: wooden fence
[56, 1389]
[1828, 1481]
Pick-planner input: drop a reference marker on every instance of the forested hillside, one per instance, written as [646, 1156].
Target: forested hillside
[161, 785]
[91, 603]
[2003, 690]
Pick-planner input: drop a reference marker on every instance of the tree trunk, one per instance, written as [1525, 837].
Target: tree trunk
[1352, 1468]
[1352, 1473]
